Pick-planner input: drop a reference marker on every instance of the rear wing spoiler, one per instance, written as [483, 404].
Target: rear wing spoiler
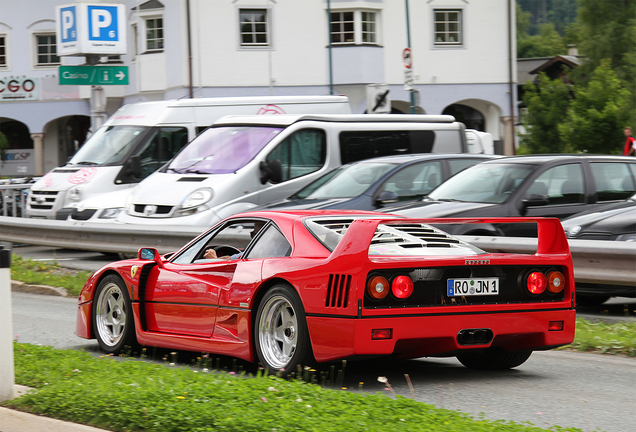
[358, 237]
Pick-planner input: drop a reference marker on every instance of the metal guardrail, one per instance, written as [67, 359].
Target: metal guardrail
[117, 238]
[595, 261]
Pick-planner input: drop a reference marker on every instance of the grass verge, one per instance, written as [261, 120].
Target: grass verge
[135, 395]
[38, 273]
[605, 338]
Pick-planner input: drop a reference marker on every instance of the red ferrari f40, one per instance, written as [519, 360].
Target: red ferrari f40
[292, 288]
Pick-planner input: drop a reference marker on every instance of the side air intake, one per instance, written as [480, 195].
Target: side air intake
[338, 291]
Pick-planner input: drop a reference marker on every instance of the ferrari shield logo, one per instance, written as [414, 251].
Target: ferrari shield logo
[133, 271]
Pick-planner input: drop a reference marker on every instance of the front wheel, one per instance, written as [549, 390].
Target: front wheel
[113, 320]
[493, 359]
[280, 331]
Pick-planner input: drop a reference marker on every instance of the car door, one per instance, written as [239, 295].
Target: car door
[182, 296]
[565, 189]
[559, 191]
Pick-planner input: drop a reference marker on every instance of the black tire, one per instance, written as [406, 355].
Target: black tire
[281, 337]
[113, 321]
[590, 300]
[494, 359]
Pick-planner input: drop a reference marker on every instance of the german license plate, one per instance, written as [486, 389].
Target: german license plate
[472, 287]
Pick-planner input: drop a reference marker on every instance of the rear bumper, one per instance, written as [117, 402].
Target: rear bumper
[428, 335]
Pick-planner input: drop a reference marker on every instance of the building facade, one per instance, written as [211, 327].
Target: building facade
[462, 57]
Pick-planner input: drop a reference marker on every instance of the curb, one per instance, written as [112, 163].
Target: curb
[38, 289]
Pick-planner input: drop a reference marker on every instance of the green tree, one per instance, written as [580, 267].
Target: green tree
[598, 113]
[561, 13]
[547, 43]
[608, 31]
[547, 103]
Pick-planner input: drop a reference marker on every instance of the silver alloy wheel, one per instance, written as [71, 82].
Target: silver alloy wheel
[110, 314]
[278, 332]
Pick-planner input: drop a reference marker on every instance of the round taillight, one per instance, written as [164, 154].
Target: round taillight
[378, 287]
[402, 287]
[556, 281]
[537, 282]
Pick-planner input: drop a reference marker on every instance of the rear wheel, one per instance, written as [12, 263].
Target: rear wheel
[113, 322]
[280, 331]
[494, 359]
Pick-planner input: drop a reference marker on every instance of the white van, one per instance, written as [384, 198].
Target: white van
[141, 137]
[245, 161]
[480, 142]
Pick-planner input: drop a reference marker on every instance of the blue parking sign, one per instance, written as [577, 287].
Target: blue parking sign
[102, 23]
[68, 22]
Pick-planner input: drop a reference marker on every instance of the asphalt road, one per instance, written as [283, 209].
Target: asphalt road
[583, 390]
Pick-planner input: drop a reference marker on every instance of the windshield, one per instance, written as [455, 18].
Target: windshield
[483, 183]
[345, 182]
[109, 145]
[222, 150]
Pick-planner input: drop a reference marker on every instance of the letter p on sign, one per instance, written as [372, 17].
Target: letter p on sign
[67, 20]
[102, 23]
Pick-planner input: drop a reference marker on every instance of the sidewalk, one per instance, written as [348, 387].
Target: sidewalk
[18, 421]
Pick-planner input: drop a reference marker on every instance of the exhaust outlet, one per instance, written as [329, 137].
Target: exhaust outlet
[474, 337]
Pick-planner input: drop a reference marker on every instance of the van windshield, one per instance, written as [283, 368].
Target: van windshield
[222, 150]
[109, 145]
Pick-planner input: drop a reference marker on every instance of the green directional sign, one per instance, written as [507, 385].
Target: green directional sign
[93, 75]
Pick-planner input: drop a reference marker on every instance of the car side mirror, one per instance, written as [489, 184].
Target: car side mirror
[150, 254]
[271, 171]
[534, 201]
[387, 197]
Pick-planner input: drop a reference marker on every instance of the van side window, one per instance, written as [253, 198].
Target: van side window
[301, 153]
[163, 144]
[358, 145]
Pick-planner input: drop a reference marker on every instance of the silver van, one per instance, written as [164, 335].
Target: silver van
[245, 161]
[141, 137]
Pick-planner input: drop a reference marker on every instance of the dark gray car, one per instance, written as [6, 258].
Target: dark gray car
[611, 222]
[373, 183]
[542, 185]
